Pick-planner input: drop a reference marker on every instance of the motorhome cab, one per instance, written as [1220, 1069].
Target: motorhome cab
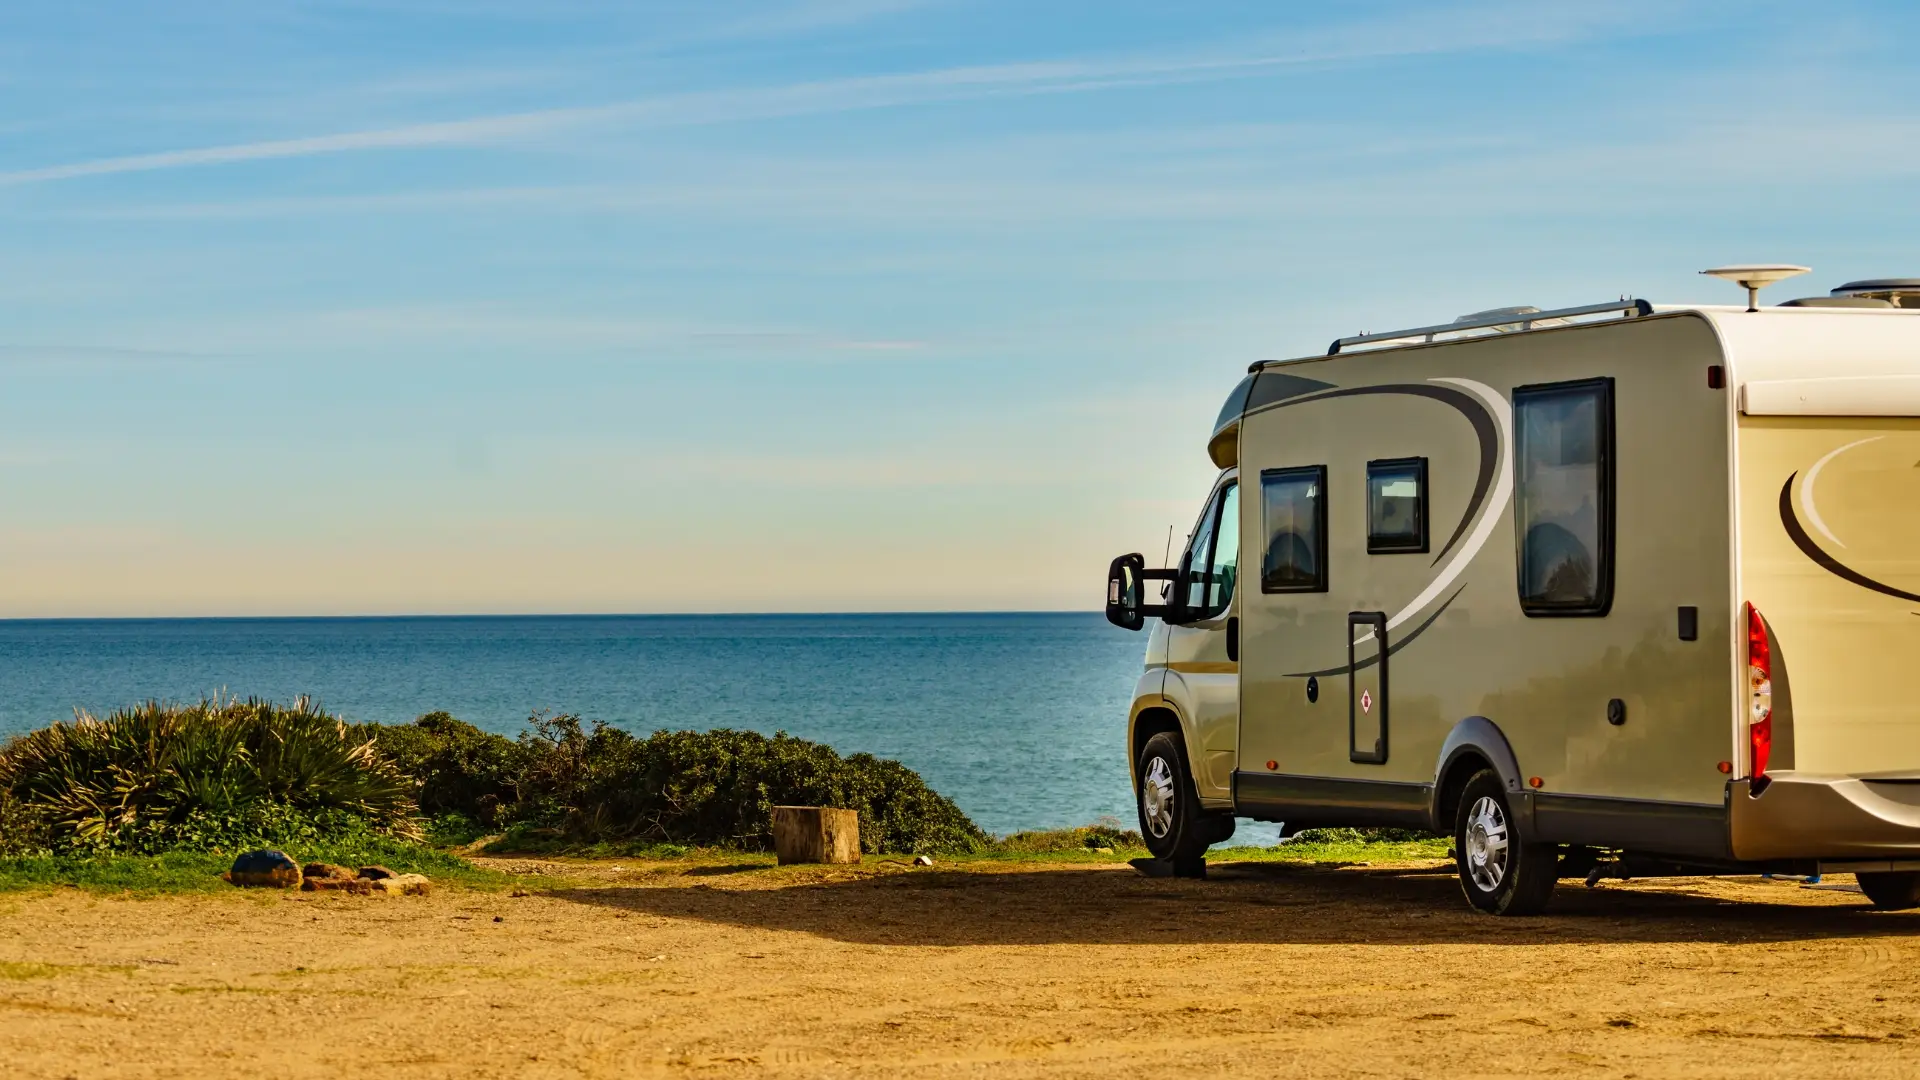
[1625, 589]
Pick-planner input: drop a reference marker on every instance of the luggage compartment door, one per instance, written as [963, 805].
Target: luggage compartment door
[1367, 687]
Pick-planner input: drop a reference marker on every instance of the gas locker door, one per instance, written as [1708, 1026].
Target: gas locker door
[1367, 687]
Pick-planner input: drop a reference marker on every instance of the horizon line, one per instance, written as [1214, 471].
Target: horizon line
[544, 615]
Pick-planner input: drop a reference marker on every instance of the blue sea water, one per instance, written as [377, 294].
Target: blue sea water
[1020, 718]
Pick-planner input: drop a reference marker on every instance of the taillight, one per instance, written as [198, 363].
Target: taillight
[1759, 694]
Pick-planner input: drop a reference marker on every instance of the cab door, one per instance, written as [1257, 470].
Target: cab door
[1203, 648]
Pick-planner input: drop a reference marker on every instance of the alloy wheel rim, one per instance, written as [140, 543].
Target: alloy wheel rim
[1156, 797]
[1486, 844]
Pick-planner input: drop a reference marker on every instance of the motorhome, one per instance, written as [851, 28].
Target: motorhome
[1624, 589]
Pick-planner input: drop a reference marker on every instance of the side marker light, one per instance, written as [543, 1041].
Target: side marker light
[1272, 765]
[1726, 767]
[1535, 781]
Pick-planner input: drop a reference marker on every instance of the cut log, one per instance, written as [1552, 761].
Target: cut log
[816, 834]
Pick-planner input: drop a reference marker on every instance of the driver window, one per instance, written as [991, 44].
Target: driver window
[1212, 560]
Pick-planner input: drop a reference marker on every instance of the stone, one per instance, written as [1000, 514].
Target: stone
[353, 885]
[923, 860]
[377, 872]
[816, 834]
[324, 870]
[399, 885]
[264, 868]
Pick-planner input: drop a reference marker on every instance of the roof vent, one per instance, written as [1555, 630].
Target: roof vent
[1839, 302]
[1899, 292]
[1756, 276]
[1521, 322]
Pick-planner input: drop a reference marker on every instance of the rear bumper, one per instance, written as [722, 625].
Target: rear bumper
[1825, 817]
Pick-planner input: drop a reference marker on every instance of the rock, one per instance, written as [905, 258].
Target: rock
[324, 870]
[377, 873]
[923, 860]
[264, 869]
[400, 885]
[354, 885]
[1103, 851]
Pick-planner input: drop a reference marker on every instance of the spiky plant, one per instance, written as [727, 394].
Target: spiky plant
[160, 768]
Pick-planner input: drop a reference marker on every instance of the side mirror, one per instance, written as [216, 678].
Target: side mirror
[1125, 592]
[1127, 578]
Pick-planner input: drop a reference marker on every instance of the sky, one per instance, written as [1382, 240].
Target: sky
[815, 305]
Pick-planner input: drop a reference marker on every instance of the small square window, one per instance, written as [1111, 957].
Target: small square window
[1397, 506]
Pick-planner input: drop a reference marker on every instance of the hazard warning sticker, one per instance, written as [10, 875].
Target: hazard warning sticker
[1366, 701]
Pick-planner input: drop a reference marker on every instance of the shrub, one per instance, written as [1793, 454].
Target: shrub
[1359, 836]
[566, 785]
[460, 771]
[1105, 833]
[209, 776]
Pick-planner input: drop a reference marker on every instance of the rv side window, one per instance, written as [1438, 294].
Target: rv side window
[1212, 559]
[1563, 501]
[1294, 512]
[1397, 506]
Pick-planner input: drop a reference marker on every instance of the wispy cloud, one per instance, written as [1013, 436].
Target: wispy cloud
[1480, 28]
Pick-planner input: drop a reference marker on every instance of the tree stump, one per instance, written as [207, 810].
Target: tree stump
[816, 834]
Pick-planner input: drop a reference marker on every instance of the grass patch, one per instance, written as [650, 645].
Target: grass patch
[176, 872]
[1341, 850]
[12, 970]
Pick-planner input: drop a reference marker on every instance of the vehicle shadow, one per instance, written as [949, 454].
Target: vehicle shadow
[1252, 903]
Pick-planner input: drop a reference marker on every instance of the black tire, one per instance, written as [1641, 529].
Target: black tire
[1892, 890]
[1170, 817]
[1501, 872]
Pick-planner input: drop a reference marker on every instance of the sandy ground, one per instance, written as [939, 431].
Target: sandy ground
[1001, 969]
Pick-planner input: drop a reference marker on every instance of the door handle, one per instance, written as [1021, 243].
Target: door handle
[1233, 639]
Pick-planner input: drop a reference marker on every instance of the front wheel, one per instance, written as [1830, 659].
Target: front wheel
[1170, 817]
[1500, 871]
[1891, 890]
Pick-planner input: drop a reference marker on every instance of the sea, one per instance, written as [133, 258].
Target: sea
[1019, 718]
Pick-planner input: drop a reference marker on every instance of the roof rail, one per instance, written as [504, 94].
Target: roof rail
[1525, 320]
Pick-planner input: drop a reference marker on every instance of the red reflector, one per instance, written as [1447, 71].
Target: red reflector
[1535, 782]
[1272, 765]
[1726, 766]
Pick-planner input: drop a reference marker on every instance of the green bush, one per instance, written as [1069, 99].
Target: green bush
[563, 785]
[1105, 833]
[1359, 836]
[210, 776]
[461, 772]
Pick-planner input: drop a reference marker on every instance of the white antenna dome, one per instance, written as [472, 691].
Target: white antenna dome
[1757, 276]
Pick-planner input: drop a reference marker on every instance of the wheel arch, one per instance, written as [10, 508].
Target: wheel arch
[1475, 743]
[1150, 718]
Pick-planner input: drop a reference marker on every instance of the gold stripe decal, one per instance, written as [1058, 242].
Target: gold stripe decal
[1205, 667]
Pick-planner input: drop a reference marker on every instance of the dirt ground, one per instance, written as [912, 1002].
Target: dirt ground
[997, 969]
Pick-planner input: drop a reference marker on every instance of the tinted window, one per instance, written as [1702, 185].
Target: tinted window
[1193, 582]
[1226, 551]
[1212, 559]
[1397, 506]
[1563, 497]
[1294, 516]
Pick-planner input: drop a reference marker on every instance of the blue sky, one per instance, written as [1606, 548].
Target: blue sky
[815, 304]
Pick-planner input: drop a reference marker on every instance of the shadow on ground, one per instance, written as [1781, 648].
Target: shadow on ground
[1254, 903]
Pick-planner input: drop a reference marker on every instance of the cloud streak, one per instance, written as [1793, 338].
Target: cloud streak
[1446, 31]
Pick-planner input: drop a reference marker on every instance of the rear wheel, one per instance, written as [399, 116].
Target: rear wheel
[1170, 817]
[1892, 890]
[1500, 871]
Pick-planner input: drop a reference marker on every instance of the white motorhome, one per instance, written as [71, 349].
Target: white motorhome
[1624, 589]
